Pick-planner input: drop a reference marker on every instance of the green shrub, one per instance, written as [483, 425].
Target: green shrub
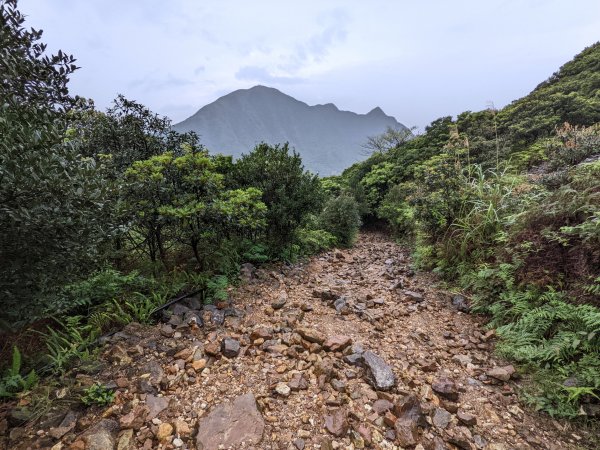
[341, 218]
[314, 241]
[289, 192]
[397, 211]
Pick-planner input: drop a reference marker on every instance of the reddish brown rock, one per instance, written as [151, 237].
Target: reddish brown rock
[466, 418]
[337, 343]
[337, 423]
[446, 388]
[231, 423]
[311, 335]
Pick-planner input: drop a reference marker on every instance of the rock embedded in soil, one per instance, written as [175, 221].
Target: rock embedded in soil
[441, 418]
[311, 335]
[280, 302]
[230, 347]
[231, 423]
[337, 423]
[461, 303]
[101, 436]
[380, 374]
[445, 388]
[337, 343]
[501, 373]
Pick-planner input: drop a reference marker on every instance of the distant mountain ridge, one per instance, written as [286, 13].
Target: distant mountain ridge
[328, 139]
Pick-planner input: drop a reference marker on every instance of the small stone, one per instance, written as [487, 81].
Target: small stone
[135, 418]
[337, 423]
[446, 388]
[441, 418]
[230, 348]
[299, 444]
[501, 373]
[182, 428]
[231, 423]
[155, 405]
[212, 349]
[380, 373]
[166, 330]
[461, 303]
[298, 382]
[382, 406]
[177, 443]
[337, 343]
[311, 335]
[199, 364]
[125, 441]
[280, 302]
[282, 389]
[414, 296]
[165, 430]
[466, 418]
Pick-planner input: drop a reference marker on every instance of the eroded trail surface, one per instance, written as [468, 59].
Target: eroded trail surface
[350, 350]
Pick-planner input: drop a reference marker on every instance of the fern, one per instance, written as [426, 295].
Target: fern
[12, 383]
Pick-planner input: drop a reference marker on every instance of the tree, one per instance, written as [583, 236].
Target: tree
[290, 192]
[183, 198]
[391, 138]
[52, 201]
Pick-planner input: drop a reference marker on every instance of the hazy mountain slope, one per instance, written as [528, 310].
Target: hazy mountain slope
[328, 139]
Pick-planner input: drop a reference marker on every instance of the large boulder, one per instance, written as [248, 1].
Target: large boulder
[231, 423]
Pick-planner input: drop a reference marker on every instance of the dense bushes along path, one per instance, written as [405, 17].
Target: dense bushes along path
[350, 350]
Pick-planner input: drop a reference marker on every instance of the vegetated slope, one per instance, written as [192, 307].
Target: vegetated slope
[506, 205]
[328, 139]
[572, 94]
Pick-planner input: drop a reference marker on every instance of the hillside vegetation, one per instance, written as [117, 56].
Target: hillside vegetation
[506, 205]
[105, 216]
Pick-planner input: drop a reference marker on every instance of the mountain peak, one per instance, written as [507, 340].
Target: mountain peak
[377, 111]
[329, 140]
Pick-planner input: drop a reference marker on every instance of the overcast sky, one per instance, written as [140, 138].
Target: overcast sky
[417, 60]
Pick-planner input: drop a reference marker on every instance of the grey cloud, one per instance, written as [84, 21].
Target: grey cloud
[150, 83]
[260, 74]
[317, 46]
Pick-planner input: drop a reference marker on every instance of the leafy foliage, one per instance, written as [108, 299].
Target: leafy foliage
[12, 383]
[98, 394]
[289, 192]
[52, 200]
[341, 218]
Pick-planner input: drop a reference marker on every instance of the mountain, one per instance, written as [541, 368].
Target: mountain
[328, 139]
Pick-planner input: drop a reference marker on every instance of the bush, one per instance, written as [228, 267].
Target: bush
[314, 241]
[396, 210]
[341, 218]
[289, 192]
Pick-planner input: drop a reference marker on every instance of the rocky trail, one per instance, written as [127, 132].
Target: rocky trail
[350, 350]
